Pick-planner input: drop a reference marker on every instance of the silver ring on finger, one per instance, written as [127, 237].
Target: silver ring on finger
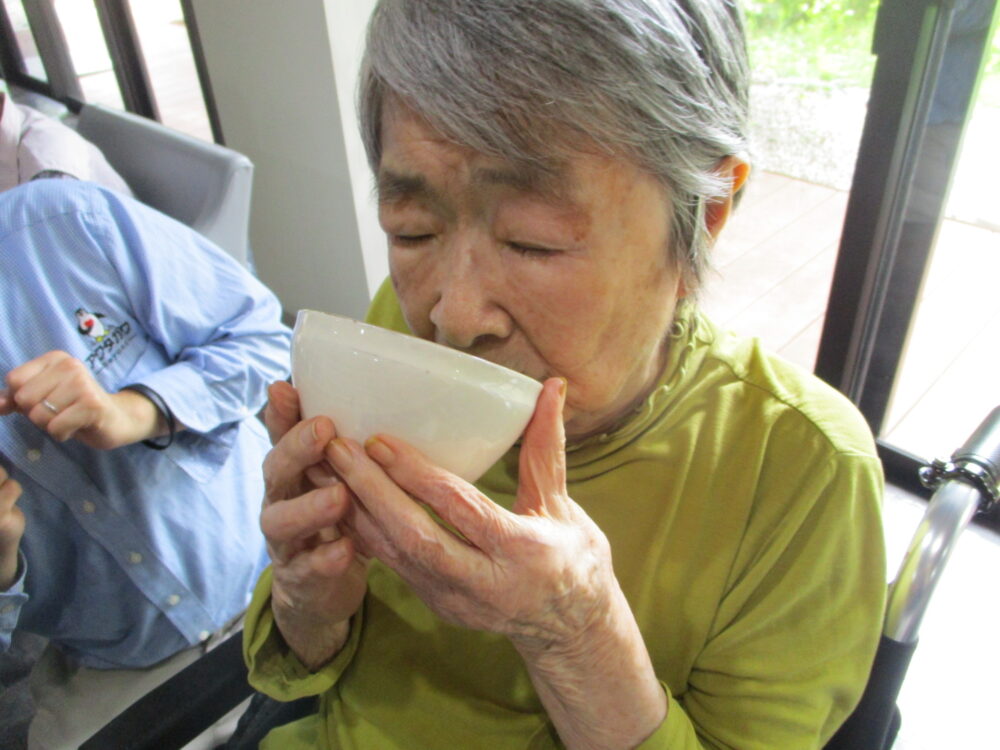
[50, 406]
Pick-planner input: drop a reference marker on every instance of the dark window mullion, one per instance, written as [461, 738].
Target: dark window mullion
[198, 55]
[126, 56]
[942, 123]
[904, 168]
[906, 36]
[11, 61]
[889, 230]
[52, 47]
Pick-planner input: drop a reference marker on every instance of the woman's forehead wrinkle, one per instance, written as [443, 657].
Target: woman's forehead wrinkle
[519, 179]
[554, 188]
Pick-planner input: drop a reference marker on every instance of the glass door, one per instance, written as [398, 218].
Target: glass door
[948, 377]
[909, 333]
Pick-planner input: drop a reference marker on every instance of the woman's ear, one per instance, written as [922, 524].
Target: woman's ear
[735, 171]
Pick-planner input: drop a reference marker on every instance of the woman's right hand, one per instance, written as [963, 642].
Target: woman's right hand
[319, 580]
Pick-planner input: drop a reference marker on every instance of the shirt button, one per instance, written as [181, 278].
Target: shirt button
[204, 635]
[173, 600]
[34, 454]
[89, 507]
[135, 558]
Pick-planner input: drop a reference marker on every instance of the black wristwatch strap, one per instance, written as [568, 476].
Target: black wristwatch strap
[52, 174]
[168, 415]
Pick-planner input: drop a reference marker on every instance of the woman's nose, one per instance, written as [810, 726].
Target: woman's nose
[468, 308]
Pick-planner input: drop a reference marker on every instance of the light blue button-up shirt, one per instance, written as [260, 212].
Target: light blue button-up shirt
[132, 554]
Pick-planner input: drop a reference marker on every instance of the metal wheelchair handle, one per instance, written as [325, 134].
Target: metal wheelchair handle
[977, 462]
[967, 483]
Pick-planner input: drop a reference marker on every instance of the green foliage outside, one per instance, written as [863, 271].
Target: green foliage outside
[785, 13]
[819, 42]
[828, 43]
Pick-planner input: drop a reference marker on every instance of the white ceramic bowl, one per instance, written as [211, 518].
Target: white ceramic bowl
[460, 411]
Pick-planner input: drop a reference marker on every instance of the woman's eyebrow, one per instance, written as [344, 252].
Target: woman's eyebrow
[393, 186]
[555, 189]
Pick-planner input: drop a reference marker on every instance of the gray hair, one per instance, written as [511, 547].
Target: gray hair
[662, 83]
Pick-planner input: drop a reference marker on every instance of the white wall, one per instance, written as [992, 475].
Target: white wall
[347, 21]
[283, 75]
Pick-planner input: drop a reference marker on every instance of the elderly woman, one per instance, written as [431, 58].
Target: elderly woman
[684, 550]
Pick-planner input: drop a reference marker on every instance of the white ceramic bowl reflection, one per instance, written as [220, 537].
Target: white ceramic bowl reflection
[460, 411]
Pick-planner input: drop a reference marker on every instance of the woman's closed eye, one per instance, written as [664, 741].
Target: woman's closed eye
[411, 239]
[531, 250]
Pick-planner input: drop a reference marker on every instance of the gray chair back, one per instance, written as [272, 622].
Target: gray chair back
[203, 185]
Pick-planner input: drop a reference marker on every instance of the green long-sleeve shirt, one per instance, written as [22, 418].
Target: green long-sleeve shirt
[742, 507]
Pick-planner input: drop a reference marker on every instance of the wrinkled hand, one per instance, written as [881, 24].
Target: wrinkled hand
[80, 407]
[541, 574]
[11, 528]
[318, 578]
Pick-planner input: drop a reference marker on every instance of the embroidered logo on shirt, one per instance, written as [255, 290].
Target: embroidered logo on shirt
[89, 324]
[109, 340]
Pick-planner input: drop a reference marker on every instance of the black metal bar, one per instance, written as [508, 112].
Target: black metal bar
[33, 84]
[11, 61]
[904, 31]
[174, 713]
[198, 53]
[903, 468]
[126, 56]
[52, 47]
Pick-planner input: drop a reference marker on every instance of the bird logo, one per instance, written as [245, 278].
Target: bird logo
[89, 324]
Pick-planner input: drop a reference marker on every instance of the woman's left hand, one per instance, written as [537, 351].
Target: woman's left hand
[540, 574]
[58, 393]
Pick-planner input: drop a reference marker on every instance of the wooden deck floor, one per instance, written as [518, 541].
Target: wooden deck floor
[774, 263]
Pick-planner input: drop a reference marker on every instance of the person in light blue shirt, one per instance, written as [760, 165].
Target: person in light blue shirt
[135, 355]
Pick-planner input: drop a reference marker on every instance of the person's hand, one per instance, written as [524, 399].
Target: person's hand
[11, 528]
[318, 578]
[57, 392]
[538, 574]
[541, 574]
